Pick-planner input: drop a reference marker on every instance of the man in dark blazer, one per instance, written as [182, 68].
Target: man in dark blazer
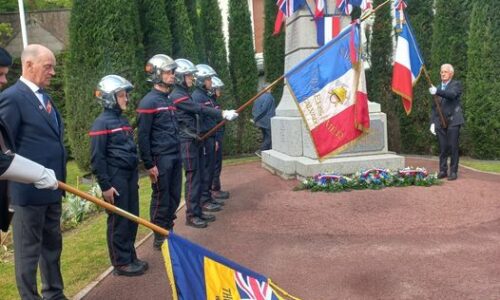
[448, 94]
[15, 167]
[37, 131]
[263, 110]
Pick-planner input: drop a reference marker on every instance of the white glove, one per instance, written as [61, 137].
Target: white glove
[433, 90]
[432, 129]
[24, 170]
[229, 115]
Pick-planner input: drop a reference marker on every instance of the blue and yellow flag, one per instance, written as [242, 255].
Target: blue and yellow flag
[196, 273]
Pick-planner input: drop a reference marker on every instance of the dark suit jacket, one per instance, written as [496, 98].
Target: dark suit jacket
[263, 110]
[5, 161]
[450, 104]
[35, 137]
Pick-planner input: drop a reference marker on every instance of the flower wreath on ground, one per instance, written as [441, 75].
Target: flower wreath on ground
[375, 179]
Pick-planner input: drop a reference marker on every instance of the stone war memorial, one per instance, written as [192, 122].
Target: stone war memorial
[293, 154]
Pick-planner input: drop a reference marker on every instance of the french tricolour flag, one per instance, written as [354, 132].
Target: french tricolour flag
[330, 90]
[408, 65]
[327, 28]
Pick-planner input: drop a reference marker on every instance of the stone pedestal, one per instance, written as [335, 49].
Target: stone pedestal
[293, 155]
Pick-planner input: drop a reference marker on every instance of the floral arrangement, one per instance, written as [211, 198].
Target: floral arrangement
[375, 179]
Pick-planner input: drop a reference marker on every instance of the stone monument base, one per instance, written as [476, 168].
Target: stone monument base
[289, 167]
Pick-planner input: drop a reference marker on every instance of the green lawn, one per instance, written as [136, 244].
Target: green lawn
[482, 165]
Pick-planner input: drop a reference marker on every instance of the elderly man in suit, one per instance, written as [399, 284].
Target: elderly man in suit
[37, 130]
[15, 167]
[448, 94]
[264, 108]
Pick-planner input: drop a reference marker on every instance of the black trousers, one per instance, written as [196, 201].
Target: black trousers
[448, 139]
[208, 168]
[166, 194]
[38, 243]
[121, 232]
[216, 185]
[266, 139]
[192, 155]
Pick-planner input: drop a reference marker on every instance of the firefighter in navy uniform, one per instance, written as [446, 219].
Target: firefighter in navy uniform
[201, 95]
[188, 117]
[215, 93]
[159, 144]
[114, 162]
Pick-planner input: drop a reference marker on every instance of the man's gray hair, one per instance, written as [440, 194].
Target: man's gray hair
[449, 67]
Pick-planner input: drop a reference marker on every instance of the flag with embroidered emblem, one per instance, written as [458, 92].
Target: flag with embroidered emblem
[197, 273]
[408, 65]
[330, 91]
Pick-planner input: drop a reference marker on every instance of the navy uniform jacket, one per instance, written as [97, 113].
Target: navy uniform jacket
[207, 122]
[263, 110]
[188, 113]
[450, 104]
[5, 161]
[36, 137]
[220, 132]
[158, 132]
[112, 146]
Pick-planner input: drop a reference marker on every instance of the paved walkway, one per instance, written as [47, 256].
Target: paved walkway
[439, 242]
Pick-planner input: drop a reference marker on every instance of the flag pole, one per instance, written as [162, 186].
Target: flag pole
[112, 208]
[241, 108]
[436, 100]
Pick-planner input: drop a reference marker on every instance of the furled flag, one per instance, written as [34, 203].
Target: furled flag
[399, 16]
[286, 8]
[196, 273]
[319, 8]
[345, 6]
[408, 65]
[330, 91]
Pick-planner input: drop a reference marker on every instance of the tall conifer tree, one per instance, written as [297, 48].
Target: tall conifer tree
[182, 32]
[414, 127]
[216, 57]
[155, 28]
[482, 108]
[274, 49]
[451, 25]
[243, 69]
[104, 39]
[379, 77]
[194, 19]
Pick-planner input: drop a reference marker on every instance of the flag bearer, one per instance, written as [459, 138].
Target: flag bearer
[114, 162]
[217, 192]
[201, 95]
[159, 144]
[188, 116]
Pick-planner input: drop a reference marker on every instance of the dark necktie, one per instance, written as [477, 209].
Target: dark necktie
[48, 106]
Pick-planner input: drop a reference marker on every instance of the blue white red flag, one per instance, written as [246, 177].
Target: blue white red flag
[330, 90]
[197, 273]
[327, 28]
[408, 65]
[286, 8]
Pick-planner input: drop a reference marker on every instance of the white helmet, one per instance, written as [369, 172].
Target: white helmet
[158, 64]
[107, 88]
[184, 67]
[203, 72]
[217, 83]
